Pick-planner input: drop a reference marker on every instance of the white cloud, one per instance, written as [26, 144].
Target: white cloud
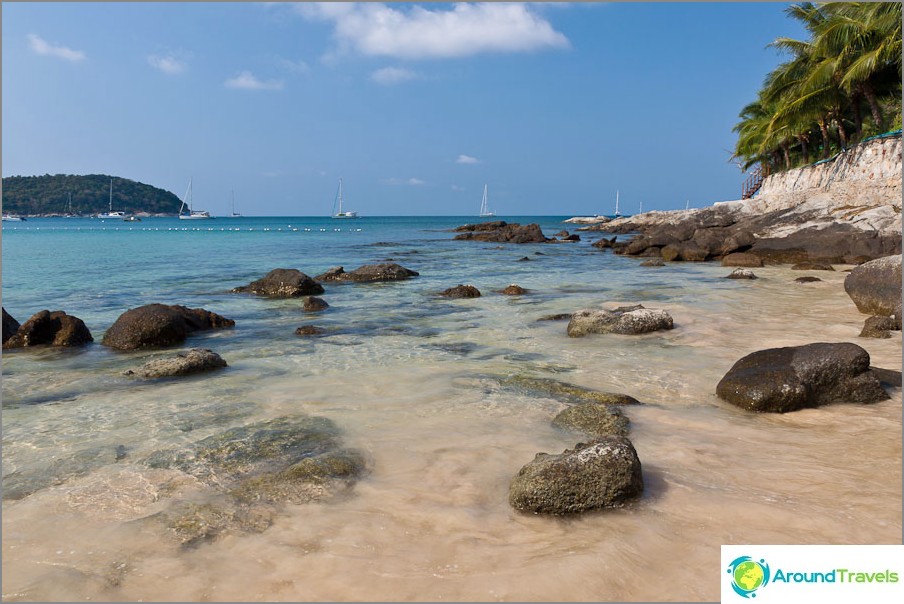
[457, 188]
[295, 66]
[392, 75]
[248, 81]
[40, 46]
[413, 182]
[168, 64]
[467, 159]
[419, 33]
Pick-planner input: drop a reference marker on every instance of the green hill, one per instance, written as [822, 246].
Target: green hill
[47, 195]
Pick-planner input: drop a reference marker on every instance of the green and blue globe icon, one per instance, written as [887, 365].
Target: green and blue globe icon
[748, 575]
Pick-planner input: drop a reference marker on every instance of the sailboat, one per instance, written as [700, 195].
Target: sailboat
[234, 213]
[111, 215]
[484, 208]
[192, 213]
[617, 213]
[340, 213]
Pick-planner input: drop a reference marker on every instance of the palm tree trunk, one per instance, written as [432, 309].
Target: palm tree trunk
[787, 155]
[825, 137]
[842, 134]
[858, 118]
[867, 90]
[803, 148]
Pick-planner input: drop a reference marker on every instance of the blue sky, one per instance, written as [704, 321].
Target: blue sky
[415, 106]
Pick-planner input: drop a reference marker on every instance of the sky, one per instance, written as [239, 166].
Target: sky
[556, 107]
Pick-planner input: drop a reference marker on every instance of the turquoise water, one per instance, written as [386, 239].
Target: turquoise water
[413, 380]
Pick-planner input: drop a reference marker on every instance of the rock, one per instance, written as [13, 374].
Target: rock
[571, 238]
[461, 291]
[196, 360]
[155, 325]
[779, 380]
[687, 250]
[604, 243]
[282, 283]
[503, 233]
[564, 392]
[891, 377]
[49, 328]
[653, 262]
[309, 330]
[623, 320]
[594, 419]
[880, 327]
[314, 304]
[812, 266]
[604, 473]
[483, 226]
[556, 317]
[369, 273]
[875, 286]
[561, 234]
[741, 273]
[743, 259]
[10, 326]
[807, 280]
[513, 290]
[524, 259]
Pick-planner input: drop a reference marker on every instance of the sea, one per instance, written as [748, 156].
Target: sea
[421, 385]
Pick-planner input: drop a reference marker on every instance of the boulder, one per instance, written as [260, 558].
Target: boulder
[812, 266]
[282, 283]
[875, 286]
[556, 317]
[154, 325]
[807, 280]
[563, 391]
[369, 273]
[880, 327]
[604, 243]
[10, 326]
[623, 320]
[309, 330]
[513, 290]
[743, 259]
[503, 233]
[50, 328]
[593, 419]
[653, 262]
[461, 291]
[741, 273]
[779, 380]
[314, 304]
[196, 360]
[604, 473]
[524, 259]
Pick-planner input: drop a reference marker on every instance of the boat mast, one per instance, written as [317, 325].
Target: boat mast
[340, 197]
[616, 202]
[111, 195]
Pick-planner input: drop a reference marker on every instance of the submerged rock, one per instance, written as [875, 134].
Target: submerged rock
[604, 473]
[812, 266]
[741, 273]
[654, 262]
[155, 325]
[562, 391]
[369, 273]
[513, 290]
[314, 304]
[10, 326]
[779, 380]
[807, 280]
[563, 316]
[196, 360]
[282, 283]
[461, 291]
[49, 328]
[594, 419]
[875, 286]
[630, 320]
[309, 330]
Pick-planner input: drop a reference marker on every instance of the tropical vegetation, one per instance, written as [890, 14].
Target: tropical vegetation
[838, 87]
[63, 194]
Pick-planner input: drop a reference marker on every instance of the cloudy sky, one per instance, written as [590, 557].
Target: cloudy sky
[554, 106]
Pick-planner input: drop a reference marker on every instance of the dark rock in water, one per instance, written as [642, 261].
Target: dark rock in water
[594, 419]
[565, 392]
[604, 473]
[891, 377]
[10, 326]
[629, 320]
[461, 291]
[513, 290]
[807, 280]
[282, 283]
[571, 238]
[741, 273]
[483, 226]
[561, 234]
[743, 259]
[779, 380]
[309, 330]
[155, 325]
[314, 304]
[503, 233]
[687, 250]
[812, 266]
[369, 273]
[604, 243]
[524, 259]
[196, 360]
[880, 327]
[875, 286]
[557, 317]
[653, 262]
[50, 328]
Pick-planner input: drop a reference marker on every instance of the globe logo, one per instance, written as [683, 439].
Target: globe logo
[748, 575]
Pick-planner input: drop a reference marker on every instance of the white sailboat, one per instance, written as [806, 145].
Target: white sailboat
[340, 213]
[111, 215]
[617, 213]
[234, 213]
[484, 208]
[192, 213]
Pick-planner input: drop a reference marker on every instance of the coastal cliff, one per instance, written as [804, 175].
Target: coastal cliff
[844, 209]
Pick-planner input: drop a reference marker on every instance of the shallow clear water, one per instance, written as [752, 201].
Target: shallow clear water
[413, 381]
